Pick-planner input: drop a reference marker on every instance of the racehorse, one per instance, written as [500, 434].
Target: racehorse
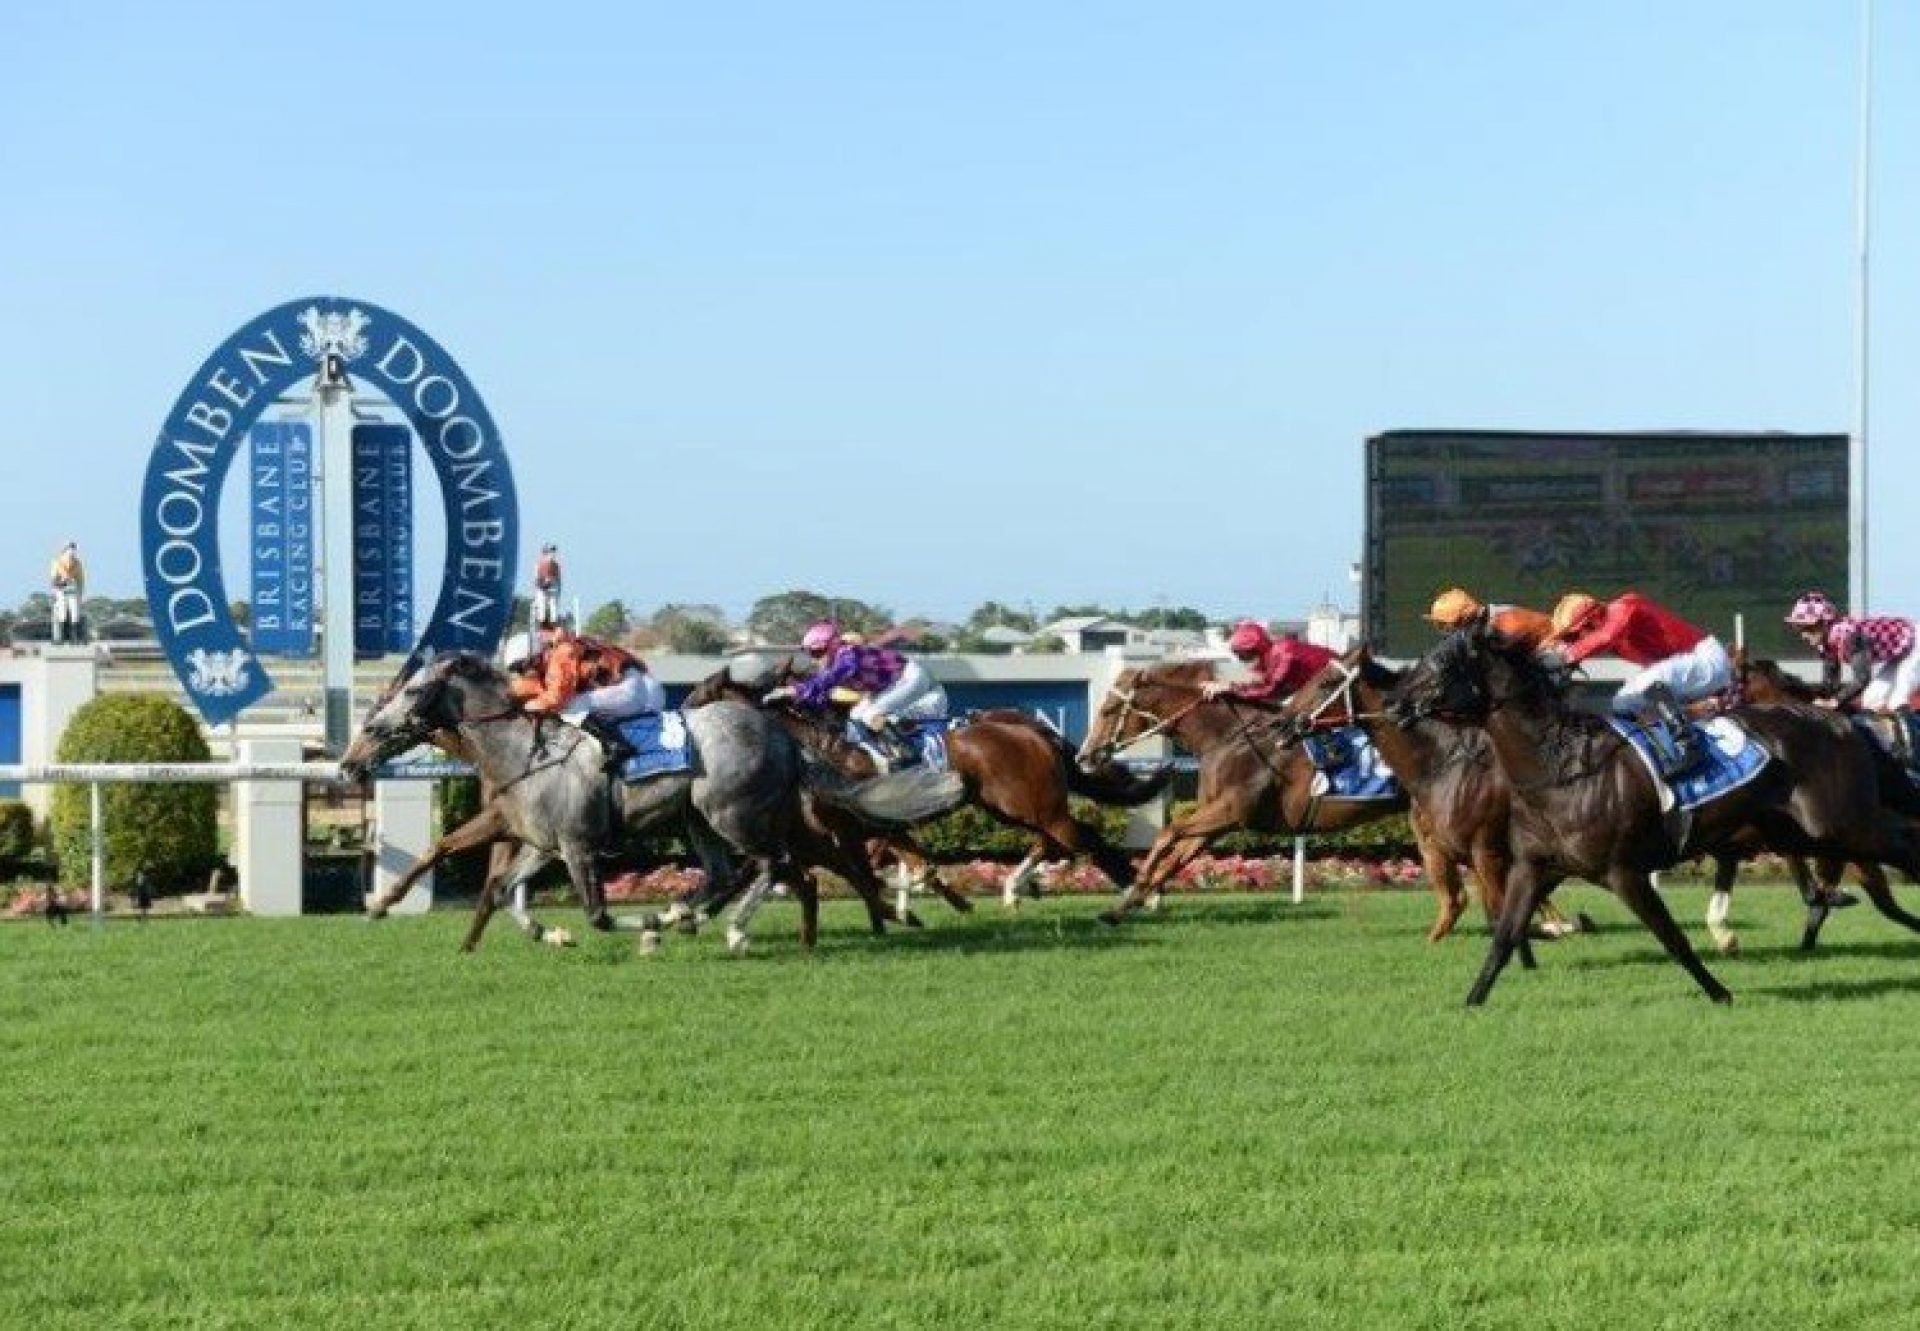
[1459, 794]
[1247, 778]
[743, 798]
[1584, 804]
[1014, 767]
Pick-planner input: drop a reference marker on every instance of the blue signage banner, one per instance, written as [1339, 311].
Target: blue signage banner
[382, 539]
[280, 537]
[277, 353]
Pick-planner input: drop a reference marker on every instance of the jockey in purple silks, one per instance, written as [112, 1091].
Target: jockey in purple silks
[1878, 653]
[892, 687]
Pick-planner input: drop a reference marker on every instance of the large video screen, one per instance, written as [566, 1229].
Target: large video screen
[1712, 525]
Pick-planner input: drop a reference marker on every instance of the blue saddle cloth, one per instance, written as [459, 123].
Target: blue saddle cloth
[1730, 758]
[1880, 730]
[926, 744]
[1349, 767]
[660, 745]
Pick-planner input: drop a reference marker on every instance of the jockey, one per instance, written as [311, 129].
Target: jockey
[892, 687]
[1280, 665]
[1877, 652]
[1679, 663]
[585, 682]
[1457, 608]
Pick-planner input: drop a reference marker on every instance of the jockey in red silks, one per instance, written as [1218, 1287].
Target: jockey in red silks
[1679, 663]
[1877, 653]
[892, 686]
[1280, 665]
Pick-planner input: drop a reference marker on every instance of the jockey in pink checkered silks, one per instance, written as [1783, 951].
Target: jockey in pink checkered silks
[1869, 662]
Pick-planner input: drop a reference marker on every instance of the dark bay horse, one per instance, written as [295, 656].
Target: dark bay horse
[1248, 779]
[1584, 805]
[1459, 793]
[1014, 767]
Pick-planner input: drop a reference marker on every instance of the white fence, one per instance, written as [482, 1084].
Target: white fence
[96, 776]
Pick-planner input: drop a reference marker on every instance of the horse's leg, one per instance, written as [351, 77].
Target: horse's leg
[1450, 893]
[529, 862]
[1726, 868]
[487, 825]
[808, 893]
[1015, 883]
[1634, 887]
[1175, 846]
[499, 860]
[583, 870]
[1525, 886]
[926, 875]
[1873, 880]
[742, 917]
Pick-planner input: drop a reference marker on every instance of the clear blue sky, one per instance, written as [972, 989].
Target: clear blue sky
[1033, 302]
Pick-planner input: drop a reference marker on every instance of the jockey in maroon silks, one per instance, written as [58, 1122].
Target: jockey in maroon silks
[1280, 665]
[1876, 653]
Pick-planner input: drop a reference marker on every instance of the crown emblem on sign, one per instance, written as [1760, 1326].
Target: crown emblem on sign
[217, 674]
[342, 335]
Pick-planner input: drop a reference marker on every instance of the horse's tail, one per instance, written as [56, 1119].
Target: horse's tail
[893, 802]
[1111, 782]
[1116, 783]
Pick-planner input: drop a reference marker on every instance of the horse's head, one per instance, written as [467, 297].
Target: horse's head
[1450, 681]
[1142, 702]
[430, 700]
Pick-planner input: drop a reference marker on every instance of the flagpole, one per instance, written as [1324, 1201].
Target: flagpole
[1858, 589]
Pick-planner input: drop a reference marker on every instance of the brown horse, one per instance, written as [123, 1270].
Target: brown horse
[1459, 794]
[1247, 778]
[1016, 769]
[1584, 805]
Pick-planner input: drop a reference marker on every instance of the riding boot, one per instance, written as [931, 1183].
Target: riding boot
[1903, 737]
[611, 740]
[1681, 734]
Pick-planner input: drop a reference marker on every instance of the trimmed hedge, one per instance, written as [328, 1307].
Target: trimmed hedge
[16, 833]
[970, 833]
[170, 829]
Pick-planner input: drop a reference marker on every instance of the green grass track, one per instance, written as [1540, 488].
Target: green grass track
[1239, 1114]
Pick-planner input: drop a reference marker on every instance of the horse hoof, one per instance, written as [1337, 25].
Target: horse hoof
[557, 938]
[1111, 917]
[1010, 903]
[687, 924]
[649, 942]
[736, 942]
[912, 921]
[1728, 946]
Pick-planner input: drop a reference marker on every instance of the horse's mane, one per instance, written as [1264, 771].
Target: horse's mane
[1180, 674]
[468, 665]
[1797, 689]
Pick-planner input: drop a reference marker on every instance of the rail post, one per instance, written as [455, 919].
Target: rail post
[1299, 870]
[97, 852]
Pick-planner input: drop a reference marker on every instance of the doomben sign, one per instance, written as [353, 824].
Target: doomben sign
[279, 352]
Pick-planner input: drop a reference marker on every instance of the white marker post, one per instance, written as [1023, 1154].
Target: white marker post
[333, 461]
[1299, 870]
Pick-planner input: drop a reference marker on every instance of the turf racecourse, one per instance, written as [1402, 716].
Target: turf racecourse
[1240, 1114]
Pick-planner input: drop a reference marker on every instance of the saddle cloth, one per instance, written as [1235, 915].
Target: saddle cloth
[1348, 766]
[660, 745]
[1730, 759]
[1880, 729]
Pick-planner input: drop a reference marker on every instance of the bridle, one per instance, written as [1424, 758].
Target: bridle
[1157, 725]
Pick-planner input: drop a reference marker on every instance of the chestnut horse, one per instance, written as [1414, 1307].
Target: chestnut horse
[1247, 778]
[1015, 767]
[1583, 803]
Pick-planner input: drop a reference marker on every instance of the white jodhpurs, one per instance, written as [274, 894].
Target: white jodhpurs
[633, 694]
[546, 606]
[915, 696]
[1692, 675]
[1893, 685]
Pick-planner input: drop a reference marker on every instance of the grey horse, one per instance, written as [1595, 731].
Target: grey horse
[739, 804]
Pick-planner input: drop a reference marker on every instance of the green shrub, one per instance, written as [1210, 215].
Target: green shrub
[16, 833]
[1390, 838]
[971, 833]
[170, 829]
